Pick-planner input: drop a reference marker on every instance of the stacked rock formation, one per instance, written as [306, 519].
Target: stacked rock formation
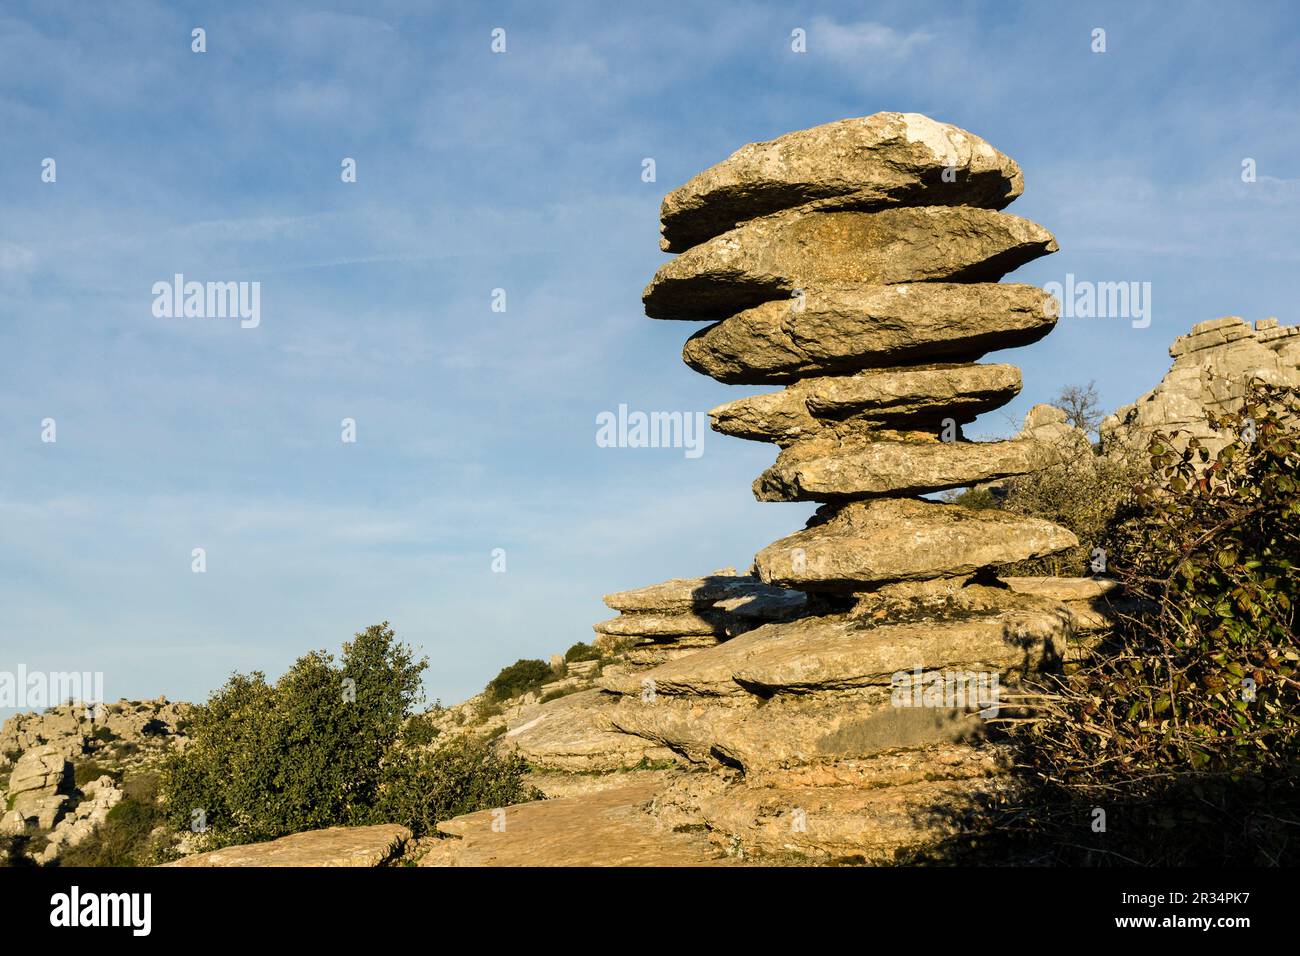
[857, 264]
[669, 620]
[1213, 366]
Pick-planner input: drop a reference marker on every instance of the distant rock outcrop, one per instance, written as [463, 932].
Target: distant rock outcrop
[1214, 365]
[44, 750]
[71, 727]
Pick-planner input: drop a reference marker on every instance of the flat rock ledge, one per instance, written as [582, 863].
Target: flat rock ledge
[336, 846]
[608, 828]
[853, 546]
[835, 329]
[770, 258]
[839, 407]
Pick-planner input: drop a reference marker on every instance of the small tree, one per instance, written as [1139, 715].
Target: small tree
[323, 747]
[518, 679]
[1083, 406]
[581, 651]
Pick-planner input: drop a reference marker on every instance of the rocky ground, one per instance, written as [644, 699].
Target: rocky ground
[61, 771]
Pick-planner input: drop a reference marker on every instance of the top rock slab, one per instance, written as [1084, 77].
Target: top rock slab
[872, 162]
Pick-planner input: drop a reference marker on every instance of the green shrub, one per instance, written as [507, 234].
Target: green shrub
[559, 692]
[419, 731]
[977, 499]
[328, 745]
[1186, 723]
[104, 735]
[265, 760]
[1083, 494]
[519, 678]
[463, 775]
[581, 652]
[1208, 681]
[87, 771]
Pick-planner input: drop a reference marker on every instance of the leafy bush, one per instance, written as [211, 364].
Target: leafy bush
[265, 760]
[1084, 494]
[88, 770]
[323, 746]
[581, 652]
[420, 731]
[559, 692]
[1188, 720]
[463, 775]
[1208, 681]
[519, 678]
[977, 499]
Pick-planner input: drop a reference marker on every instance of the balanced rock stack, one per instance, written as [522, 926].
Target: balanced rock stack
[666, 621]
[857, 264]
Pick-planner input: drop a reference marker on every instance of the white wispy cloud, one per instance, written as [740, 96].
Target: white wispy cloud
[862, 43]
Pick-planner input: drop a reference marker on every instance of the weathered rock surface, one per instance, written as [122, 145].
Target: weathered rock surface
[852, 546]
[648, 624]
[99, 796]
[68, 727]
[607, 828]
[681, 594]
[838, 329]
[840, 469]
[838, 406]
[769, 258]
[333, 847]
[858, 725]
[1062, 589]
[1214, 365]
[39, 785]
[574, 733]
[41, 768]
[976, 627]
[789, 731]
[1097, 604]
[876, 811]
[870, 162]
[869, 464]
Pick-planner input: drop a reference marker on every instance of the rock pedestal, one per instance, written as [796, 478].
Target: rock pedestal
[858, 264]
[840, 696]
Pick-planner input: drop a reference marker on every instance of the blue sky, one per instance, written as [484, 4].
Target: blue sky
[522, 171]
